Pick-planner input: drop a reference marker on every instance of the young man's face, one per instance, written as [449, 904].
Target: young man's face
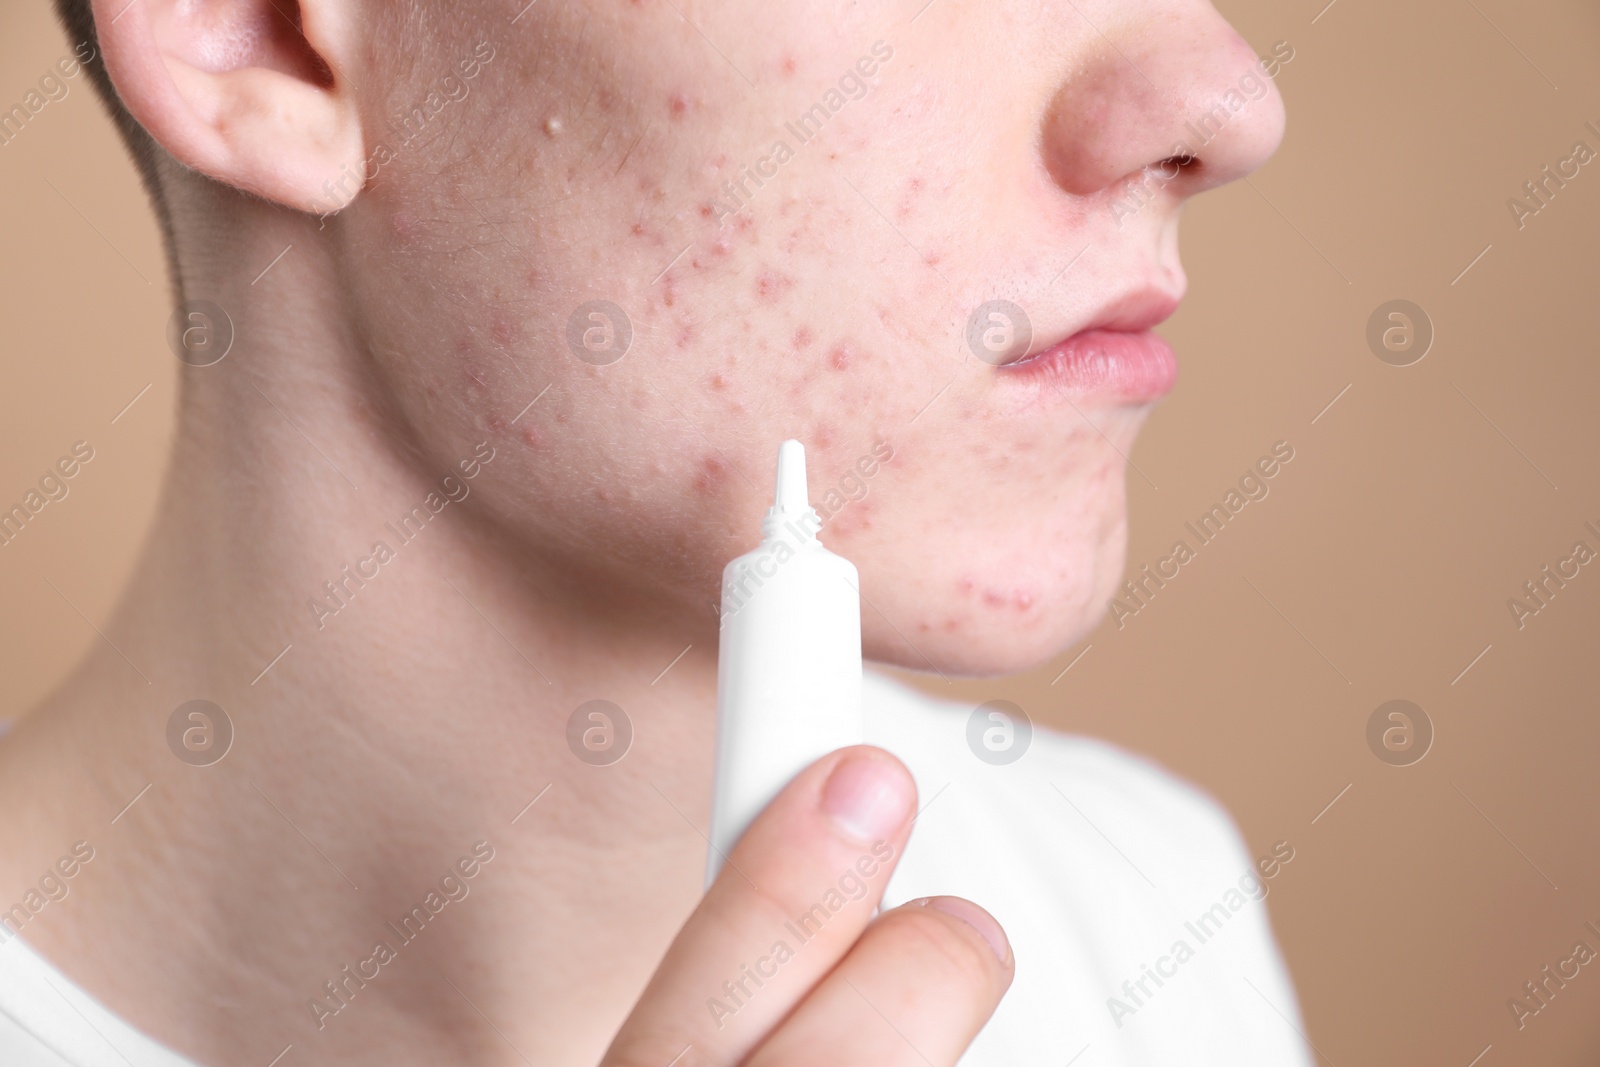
[798, 213]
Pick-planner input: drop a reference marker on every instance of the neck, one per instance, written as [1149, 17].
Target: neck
[399, 673]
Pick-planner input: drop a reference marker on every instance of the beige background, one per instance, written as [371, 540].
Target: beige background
[1378, 568]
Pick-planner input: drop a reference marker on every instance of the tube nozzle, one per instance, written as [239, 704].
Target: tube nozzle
[791, 504]
[790, 494]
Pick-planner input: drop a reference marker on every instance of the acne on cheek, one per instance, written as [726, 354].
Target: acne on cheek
[852, 519]
[908, 201]
[710, 477]
[998, 598]
[771, 285]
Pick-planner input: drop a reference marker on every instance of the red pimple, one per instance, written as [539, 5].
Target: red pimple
[788, 65]
[685, 336]
[802, 336]
[532, 437]
[841, 355]
[770, 285]
[677, 105]
[713, 472]
[718, 383]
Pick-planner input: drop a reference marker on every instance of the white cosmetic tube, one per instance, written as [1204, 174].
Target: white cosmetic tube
[788, 660]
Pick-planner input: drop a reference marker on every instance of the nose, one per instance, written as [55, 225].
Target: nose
[1175, 100]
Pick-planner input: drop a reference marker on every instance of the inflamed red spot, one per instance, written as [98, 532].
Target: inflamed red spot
[712, 474]
[803, 336]
[841, 356]
[770, 285]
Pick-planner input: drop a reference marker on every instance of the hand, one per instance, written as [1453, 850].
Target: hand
[783, 964]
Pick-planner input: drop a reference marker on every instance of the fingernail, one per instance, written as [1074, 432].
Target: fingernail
[978, 919]
[868, 797]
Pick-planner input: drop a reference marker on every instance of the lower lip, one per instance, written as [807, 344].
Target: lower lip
[1102, 364]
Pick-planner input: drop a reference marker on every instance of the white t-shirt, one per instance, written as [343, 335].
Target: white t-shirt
[1131, 903]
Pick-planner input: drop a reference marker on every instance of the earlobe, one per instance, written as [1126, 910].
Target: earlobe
[251, 93]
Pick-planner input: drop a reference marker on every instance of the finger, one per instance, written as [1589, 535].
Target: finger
[795, 894]
[915, 991]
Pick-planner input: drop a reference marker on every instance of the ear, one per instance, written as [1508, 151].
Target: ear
[249, 92]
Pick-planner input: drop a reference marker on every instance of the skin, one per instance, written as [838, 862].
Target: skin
[585, 162]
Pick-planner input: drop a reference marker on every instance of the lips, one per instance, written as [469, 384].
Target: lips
[1116, 357]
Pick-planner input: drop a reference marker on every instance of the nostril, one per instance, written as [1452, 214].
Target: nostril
[1173, 164]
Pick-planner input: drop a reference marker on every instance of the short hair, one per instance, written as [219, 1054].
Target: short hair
[77, 18]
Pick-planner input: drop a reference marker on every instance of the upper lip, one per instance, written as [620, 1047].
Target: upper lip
[1132, 311]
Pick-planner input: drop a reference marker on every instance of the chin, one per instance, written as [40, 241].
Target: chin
[1016, 612]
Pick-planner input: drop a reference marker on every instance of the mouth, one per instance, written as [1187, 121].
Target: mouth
[1116, 357]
